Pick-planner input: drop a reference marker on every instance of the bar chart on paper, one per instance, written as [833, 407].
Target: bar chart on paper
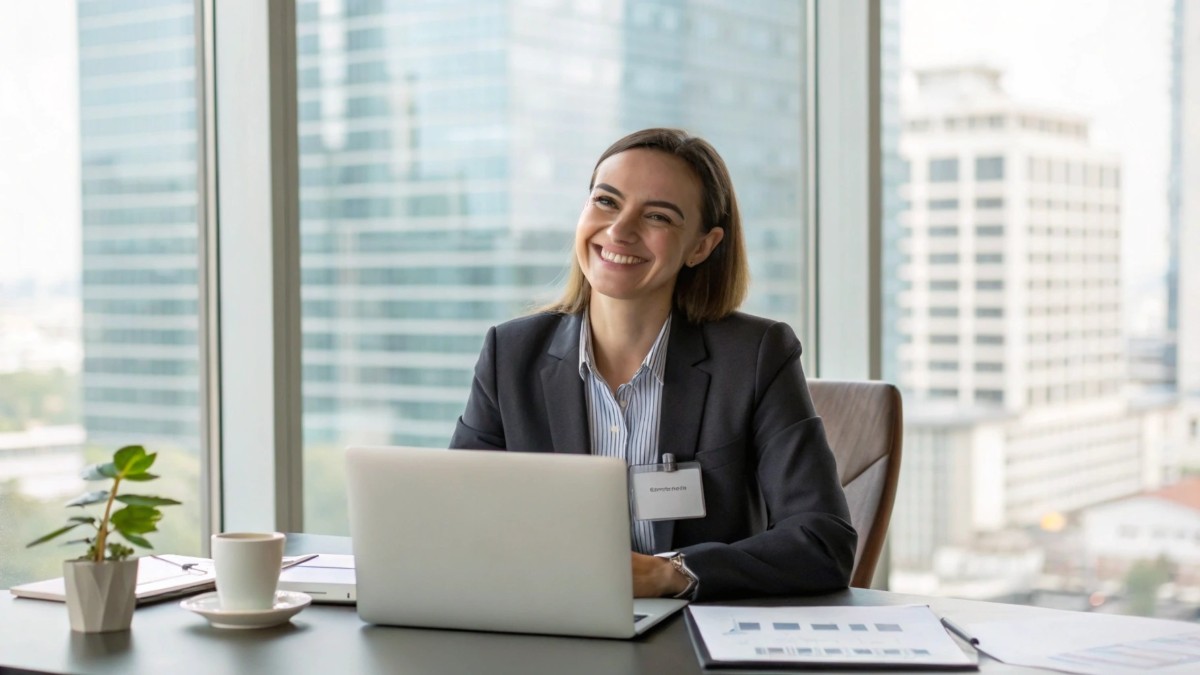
[1091, 644]
[897, 636]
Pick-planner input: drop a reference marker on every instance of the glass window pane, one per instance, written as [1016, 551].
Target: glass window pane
[1048, 396]
[445, 156]
[98, 289]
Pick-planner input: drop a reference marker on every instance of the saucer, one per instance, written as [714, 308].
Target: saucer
[208, 605]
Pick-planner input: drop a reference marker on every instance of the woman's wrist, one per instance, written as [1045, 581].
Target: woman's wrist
[672, 581]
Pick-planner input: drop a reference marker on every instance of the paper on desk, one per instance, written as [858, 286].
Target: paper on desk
[1099, 644]
[908, 635]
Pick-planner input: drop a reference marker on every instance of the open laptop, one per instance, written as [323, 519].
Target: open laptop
[495, 541]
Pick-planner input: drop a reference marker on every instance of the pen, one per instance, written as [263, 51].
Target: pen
[299, 560]
[957, 630]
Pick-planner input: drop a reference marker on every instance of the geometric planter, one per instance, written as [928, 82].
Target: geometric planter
[100, 596]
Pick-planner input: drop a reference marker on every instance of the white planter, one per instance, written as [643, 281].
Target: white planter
[100, 596]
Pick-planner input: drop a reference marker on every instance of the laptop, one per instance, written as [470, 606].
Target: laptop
[495, 541]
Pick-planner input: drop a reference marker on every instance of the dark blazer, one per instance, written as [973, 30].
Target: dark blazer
[735, 400]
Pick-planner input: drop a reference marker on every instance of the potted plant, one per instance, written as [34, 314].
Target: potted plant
[101, 584]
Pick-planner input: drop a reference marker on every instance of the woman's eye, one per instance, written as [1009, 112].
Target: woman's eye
[659, 218]
[604, 201]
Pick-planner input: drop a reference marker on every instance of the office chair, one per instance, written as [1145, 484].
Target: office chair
[864, 424]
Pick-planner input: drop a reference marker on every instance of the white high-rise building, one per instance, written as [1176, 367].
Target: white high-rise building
[1012, 353]
[1183, 279]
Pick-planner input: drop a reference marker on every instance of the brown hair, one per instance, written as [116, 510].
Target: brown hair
[714, 288]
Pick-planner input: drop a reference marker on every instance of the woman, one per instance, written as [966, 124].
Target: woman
[644, 355]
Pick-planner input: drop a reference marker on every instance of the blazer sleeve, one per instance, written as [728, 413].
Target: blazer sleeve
[808, 544]
[480, 427]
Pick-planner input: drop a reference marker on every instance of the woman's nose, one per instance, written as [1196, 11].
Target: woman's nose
[623, 228]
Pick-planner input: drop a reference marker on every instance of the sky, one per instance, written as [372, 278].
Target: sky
[1107, 59]
[39, 142]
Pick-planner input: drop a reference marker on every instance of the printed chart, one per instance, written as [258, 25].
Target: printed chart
[906, 635]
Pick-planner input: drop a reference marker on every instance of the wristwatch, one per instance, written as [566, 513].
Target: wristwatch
[680, 565]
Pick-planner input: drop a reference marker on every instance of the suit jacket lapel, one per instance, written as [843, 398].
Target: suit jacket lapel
[685, 387]
[566, 409]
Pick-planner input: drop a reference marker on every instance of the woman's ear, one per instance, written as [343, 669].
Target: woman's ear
[705, 246]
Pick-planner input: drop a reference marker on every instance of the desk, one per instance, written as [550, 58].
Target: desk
[326, 639]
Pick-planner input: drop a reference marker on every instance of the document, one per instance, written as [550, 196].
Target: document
[1094, 644]
[908, 636]
[160, 577]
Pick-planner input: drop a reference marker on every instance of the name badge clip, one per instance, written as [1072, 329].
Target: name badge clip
[669, 490]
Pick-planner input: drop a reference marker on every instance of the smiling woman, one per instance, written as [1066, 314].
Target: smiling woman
[646, 358]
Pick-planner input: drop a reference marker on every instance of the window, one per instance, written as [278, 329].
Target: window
[943, 170]
[989, 168]
[98, 266]
[989, 395]
[442, 187]
[1045, 310]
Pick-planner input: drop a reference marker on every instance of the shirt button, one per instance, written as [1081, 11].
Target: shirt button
[613, 429]
[624, 402]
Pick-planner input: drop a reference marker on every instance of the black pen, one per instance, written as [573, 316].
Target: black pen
[957, 630]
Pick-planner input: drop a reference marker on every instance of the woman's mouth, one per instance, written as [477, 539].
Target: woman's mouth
[618, 258]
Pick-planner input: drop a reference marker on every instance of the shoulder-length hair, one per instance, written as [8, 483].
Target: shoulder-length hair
[716, 287]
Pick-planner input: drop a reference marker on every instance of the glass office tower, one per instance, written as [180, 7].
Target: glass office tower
[446, 149]
[137, 97]
[138, 143]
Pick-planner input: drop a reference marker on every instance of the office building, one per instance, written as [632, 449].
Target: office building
[1013, 357]
[137, 93]
[1183, 276]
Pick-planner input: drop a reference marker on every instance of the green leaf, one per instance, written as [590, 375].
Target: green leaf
[126, 457]
[45, 538]
[140, 477]
[88, 520]
[77, 541]
[89, 498]
[99, 471]
[143, 500]
[141, 464]
[135, 539]
[135, 519]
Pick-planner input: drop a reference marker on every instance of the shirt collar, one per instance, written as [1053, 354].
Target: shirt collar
[655, 361]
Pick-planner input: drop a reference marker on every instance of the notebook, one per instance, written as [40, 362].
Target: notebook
[160, 577]
[495, 541]
[328, 578]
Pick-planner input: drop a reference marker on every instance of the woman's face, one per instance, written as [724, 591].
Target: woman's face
[641, 225]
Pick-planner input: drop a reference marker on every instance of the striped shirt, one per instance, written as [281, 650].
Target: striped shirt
[626, 425]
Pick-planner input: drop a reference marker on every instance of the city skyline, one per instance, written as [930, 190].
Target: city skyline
[1130, 115]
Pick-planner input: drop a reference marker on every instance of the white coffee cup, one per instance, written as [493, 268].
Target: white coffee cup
[247, 566]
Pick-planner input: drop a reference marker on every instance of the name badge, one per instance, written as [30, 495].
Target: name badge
[666, 491]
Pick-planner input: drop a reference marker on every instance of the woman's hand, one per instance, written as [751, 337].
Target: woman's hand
[655, 577]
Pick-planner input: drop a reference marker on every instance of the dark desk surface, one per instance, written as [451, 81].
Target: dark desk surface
[326, 639]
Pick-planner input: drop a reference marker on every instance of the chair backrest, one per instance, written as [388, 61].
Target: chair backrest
[864, 423]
